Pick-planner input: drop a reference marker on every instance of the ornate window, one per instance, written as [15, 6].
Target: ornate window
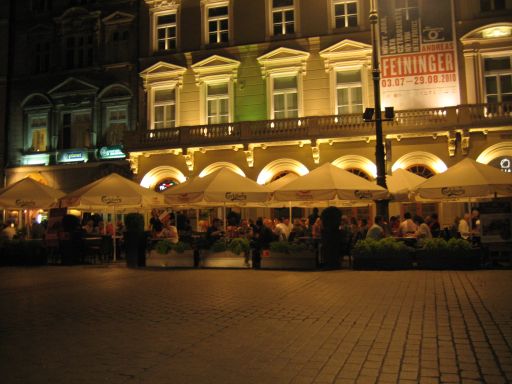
[498, 79]
[493, 5]
[284, 97]
[345, 13]
[283, 17]
[421, 170]
[79, 51]
[38, 132]
[166, 183]
[217, 97]
[76, 129]
[216, 16]
[166, 31]
[349, 92]
[164, 108]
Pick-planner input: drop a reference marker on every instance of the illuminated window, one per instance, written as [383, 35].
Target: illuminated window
[493, 5]
[283, 17]
[285, 101]
[345, 13]
[166, 28]
[76, 130]
[164, 108]
[359, 172]
[349, 92]
[217, 103]
[165, 184]
[421, 170]
[498, 79]
[217, 22]
[38, 132]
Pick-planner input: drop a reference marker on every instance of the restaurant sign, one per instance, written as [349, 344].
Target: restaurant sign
[418, 56]
[72, 156]
[112, 152]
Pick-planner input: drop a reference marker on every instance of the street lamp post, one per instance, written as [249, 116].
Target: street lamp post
[382, 205]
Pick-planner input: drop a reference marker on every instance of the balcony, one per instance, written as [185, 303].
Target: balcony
[321, 127]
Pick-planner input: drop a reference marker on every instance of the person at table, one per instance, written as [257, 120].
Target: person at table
[475, 226]
[463, 227]
[155, 223]
[8, 231]
[245, 229]
[435, 227]
[215, 232]
[89, 227]
[281, 230]
[313, 217]
[394, 225]
[423, 232]
[169, 232]
[298, 230]
[376, 231]
[407, 227]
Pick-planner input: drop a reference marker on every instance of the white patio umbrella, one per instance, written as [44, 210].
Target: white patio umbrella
[330, 183]
[467, 180]
[29, 194]
[401, 183]
[222, 187]
[110, 193]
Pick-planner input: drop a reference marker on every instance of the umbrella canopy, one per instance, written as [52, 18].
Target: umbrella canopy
[27, 194]
[467, 179]
[112, 191]
[402, 182]
[329, 182]
[220, 187]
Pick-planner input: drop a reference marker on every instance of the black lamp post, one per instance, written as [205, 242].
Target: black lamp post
[382, 205]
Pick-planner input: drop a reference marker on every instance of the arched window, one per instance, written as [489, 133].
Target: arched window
[421, 170]
[359, 172]
[166, 183]
[281, 174]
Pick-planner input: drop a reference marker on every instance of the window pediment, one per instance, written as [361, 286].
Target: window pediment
[73, 85]
[36, 101]
[162, 4]
[162, 71]
[348, 52]
[39, 29]
[283, 58]
[491, 33]
[118, 18]
[215, 66]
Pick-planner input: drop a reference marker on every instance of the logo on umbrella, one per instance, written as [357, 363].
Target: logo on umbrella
[25, 203]
[453, 191]
[304, 195]
[363, 194]
[234, 196]
[111, 199]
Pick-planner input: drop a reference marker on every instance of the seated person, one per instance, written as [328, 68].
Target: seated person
[376, 231]
[423, 232]
[169, 232]
[215, 232]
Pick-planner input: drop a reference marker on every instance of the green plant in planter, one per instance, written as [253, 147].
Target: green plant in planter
[286, 247]
[436, 247]
[165, 246]
[239, 246]
[459, 247]
[219, 246]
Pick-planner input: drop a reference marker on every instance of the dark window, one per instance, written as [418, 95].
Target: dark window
[66, 131]
[421, 170]
[492, 5]
[40, 6]
[359, 172]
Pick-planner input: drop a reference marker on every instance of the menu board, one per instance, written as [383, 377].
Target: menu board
[418, 56]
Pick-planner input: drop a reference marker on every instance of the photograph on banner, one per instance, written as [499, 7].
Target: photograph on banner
[496, 221]
[418, 57]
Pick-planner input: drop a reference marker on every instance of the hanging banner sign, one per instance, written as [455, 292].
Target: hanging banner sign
[418, 56]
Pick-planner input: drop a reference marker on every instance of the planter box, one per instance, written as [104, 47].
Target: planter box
[170, 259]
[224, 259]
[471, 260]
[298, 260]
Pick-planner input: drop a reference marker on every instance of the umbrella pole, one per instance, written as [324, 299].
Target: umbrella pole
[197, 219]
[290, 211]
[114, 233]
[225, 221]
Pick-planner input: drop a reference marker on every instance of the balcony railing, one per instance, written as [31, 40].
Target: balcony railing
[318, 127]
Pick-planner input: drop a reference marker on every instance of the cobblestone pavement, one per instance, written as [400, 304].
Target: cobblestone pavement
[115, 325]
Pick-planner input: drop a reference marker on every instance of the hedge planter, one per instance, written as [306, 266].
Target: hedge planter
[385, 254]
[224, 259]
[170, 259]
[297, 260]
[452, 254]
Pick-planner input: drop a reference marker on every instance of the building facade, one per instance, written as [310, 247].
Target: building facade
[264, 87]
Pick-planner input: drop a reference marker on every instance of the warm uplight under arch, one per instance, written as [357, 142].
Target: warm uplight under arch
[497, 150]
[281, 165]
[419, 157]
[157, 174]
[221, 164]
[357, 162]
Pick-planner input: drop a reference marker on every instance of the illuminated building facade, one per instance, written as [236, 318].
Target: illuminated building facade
[267, 87]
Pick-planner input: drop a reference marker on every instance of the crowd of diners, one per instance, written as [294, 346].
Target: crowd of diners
[262, 231]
